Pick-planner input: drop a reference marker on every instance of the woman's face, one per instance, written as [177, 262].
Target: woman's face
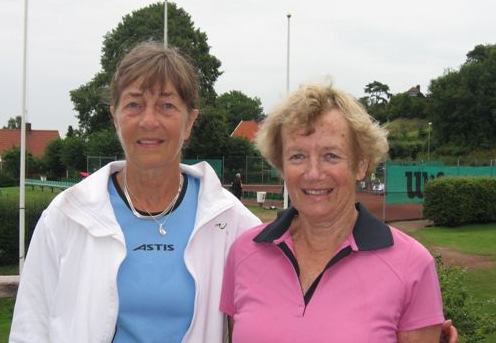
[319, 168]
[152, 126]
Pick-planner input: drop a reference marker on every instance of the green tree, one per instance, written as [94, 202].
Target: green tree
[240, 107]
[90, 100]
[377, 99]
[240, 146]
[403, 105]
[70, 131]
[209, 137]
[104, 143]
[72, 155]
[378, 92]
[14, 123]
[462, 103]
[11, 163]
[52, 159]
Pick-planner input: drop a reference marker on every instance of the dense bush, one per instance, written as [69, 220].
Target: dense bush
[461, 200]
[473, 324]
[7, 181]
[9, 228]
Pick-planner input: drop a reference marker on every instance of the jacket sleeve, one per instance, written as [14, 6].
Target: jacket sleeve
[247, 220]
[37, 285]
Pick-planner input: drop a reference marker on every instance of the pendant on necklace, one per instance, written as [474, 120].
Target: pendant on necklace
[161, 229]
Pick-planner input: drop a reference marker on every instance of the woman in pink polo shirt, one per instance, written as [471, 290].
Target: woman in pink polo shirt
[326, 270]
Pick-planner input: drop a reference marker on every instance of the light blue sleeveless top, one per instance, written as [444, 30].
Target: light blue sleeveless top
[156, 291]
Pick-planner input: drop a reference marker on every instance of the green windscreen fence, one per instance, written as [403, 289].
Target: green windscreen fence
[405, 182]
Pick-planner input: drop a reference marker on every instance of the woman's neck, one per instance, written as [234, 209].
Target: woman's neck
[324, 235]
[150, 190]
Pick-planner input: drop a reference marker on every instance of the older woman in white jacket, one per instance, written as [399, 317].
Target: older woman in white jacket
[136, 251]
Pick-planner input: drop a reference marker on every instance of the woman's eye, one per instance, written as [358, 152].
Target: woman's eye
[332, 157]
[167, 107]
[296, 157]
[132, 106]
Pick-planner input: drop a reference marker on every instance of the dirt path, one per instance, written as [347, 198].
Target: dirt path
[450, 256]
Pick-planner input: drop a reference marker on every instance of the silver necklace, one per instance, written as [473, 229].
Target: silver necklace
[165, 213]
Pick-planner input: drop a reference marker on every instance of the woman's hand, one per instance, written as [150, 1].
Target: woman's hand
[449, 333]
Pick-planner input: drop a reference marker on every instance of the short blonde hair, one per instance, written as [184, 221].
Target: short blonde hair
[302, 109]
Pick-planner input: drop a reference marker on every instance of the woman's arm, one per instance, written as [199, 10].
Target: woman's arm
[429, 334]
[230, 327]
[449, 332]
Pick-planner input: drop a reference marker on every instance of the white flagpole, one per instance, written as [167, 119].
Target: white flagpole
[22, 248]
[165, 24]
[285, 190]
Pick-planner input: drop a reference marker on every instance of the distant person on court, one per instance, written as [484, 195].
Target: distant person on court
[326, 270]
[237, 186]
[135, 252]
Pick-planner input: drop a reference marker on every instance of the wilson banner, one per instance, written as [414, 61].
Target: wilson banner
[405, 182]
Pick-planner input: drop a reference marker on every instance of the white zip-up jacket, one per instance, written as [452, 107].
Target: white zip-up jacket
[68, 287]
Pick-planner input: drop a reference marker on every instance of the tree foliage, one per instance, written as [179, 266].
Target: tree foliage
[145, 24]
[377, 99]
[210, 135]
[462, 104]
[72, 155]
[240, 146]
[240, 107]
[378, 92]
[14, 123]
[104, 143]
[11, 163]
[52, 159]
[403, 105]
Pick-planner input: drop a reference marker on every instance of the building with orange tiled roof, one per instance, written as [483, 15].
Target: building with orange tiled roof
[246, 129]
[36, 140]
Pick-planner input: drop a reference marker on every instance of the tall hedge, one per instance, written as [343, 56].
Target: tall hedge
[453, 201]
[9, 226]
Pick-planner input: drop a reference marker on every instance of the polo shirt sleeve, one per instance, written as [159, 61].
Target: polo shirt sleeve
[227, 295]
[423, 302]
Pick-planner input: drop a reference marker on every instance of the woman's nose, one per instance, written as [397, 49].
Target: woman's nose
[314, 169]
[149, 118]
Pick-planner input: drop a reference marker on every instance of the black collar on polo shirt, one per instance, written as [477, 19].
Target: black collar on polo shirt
[369, 232]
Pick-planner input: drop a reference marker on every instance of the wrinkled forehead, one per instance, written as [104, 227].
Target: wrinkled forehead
[141, 86]
[306, 125]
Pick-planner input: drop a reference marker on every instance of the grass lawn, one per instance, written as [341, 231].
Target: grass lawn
[31, 194]
[470, 239]
[261, 212]
[6, 309]
[6, 306]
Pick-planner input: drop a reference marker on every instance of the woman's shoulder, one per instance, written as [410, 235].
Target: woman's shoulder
[409, 247]
[245, 243]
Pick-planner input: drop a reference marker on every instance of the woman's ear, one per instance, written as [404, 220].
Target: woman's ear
[190, 121]
[362, 167]
[112, 114]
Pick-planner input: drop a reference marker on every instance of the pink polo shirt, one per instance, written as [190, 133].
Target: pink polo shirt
[382, 282]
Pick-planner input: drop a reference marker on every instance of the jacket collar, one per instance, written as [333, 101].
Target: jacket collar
[369, 232]
[88, 202]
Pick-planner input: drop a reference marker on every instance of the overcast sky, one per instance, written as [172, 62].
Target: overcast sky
[399, 43]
